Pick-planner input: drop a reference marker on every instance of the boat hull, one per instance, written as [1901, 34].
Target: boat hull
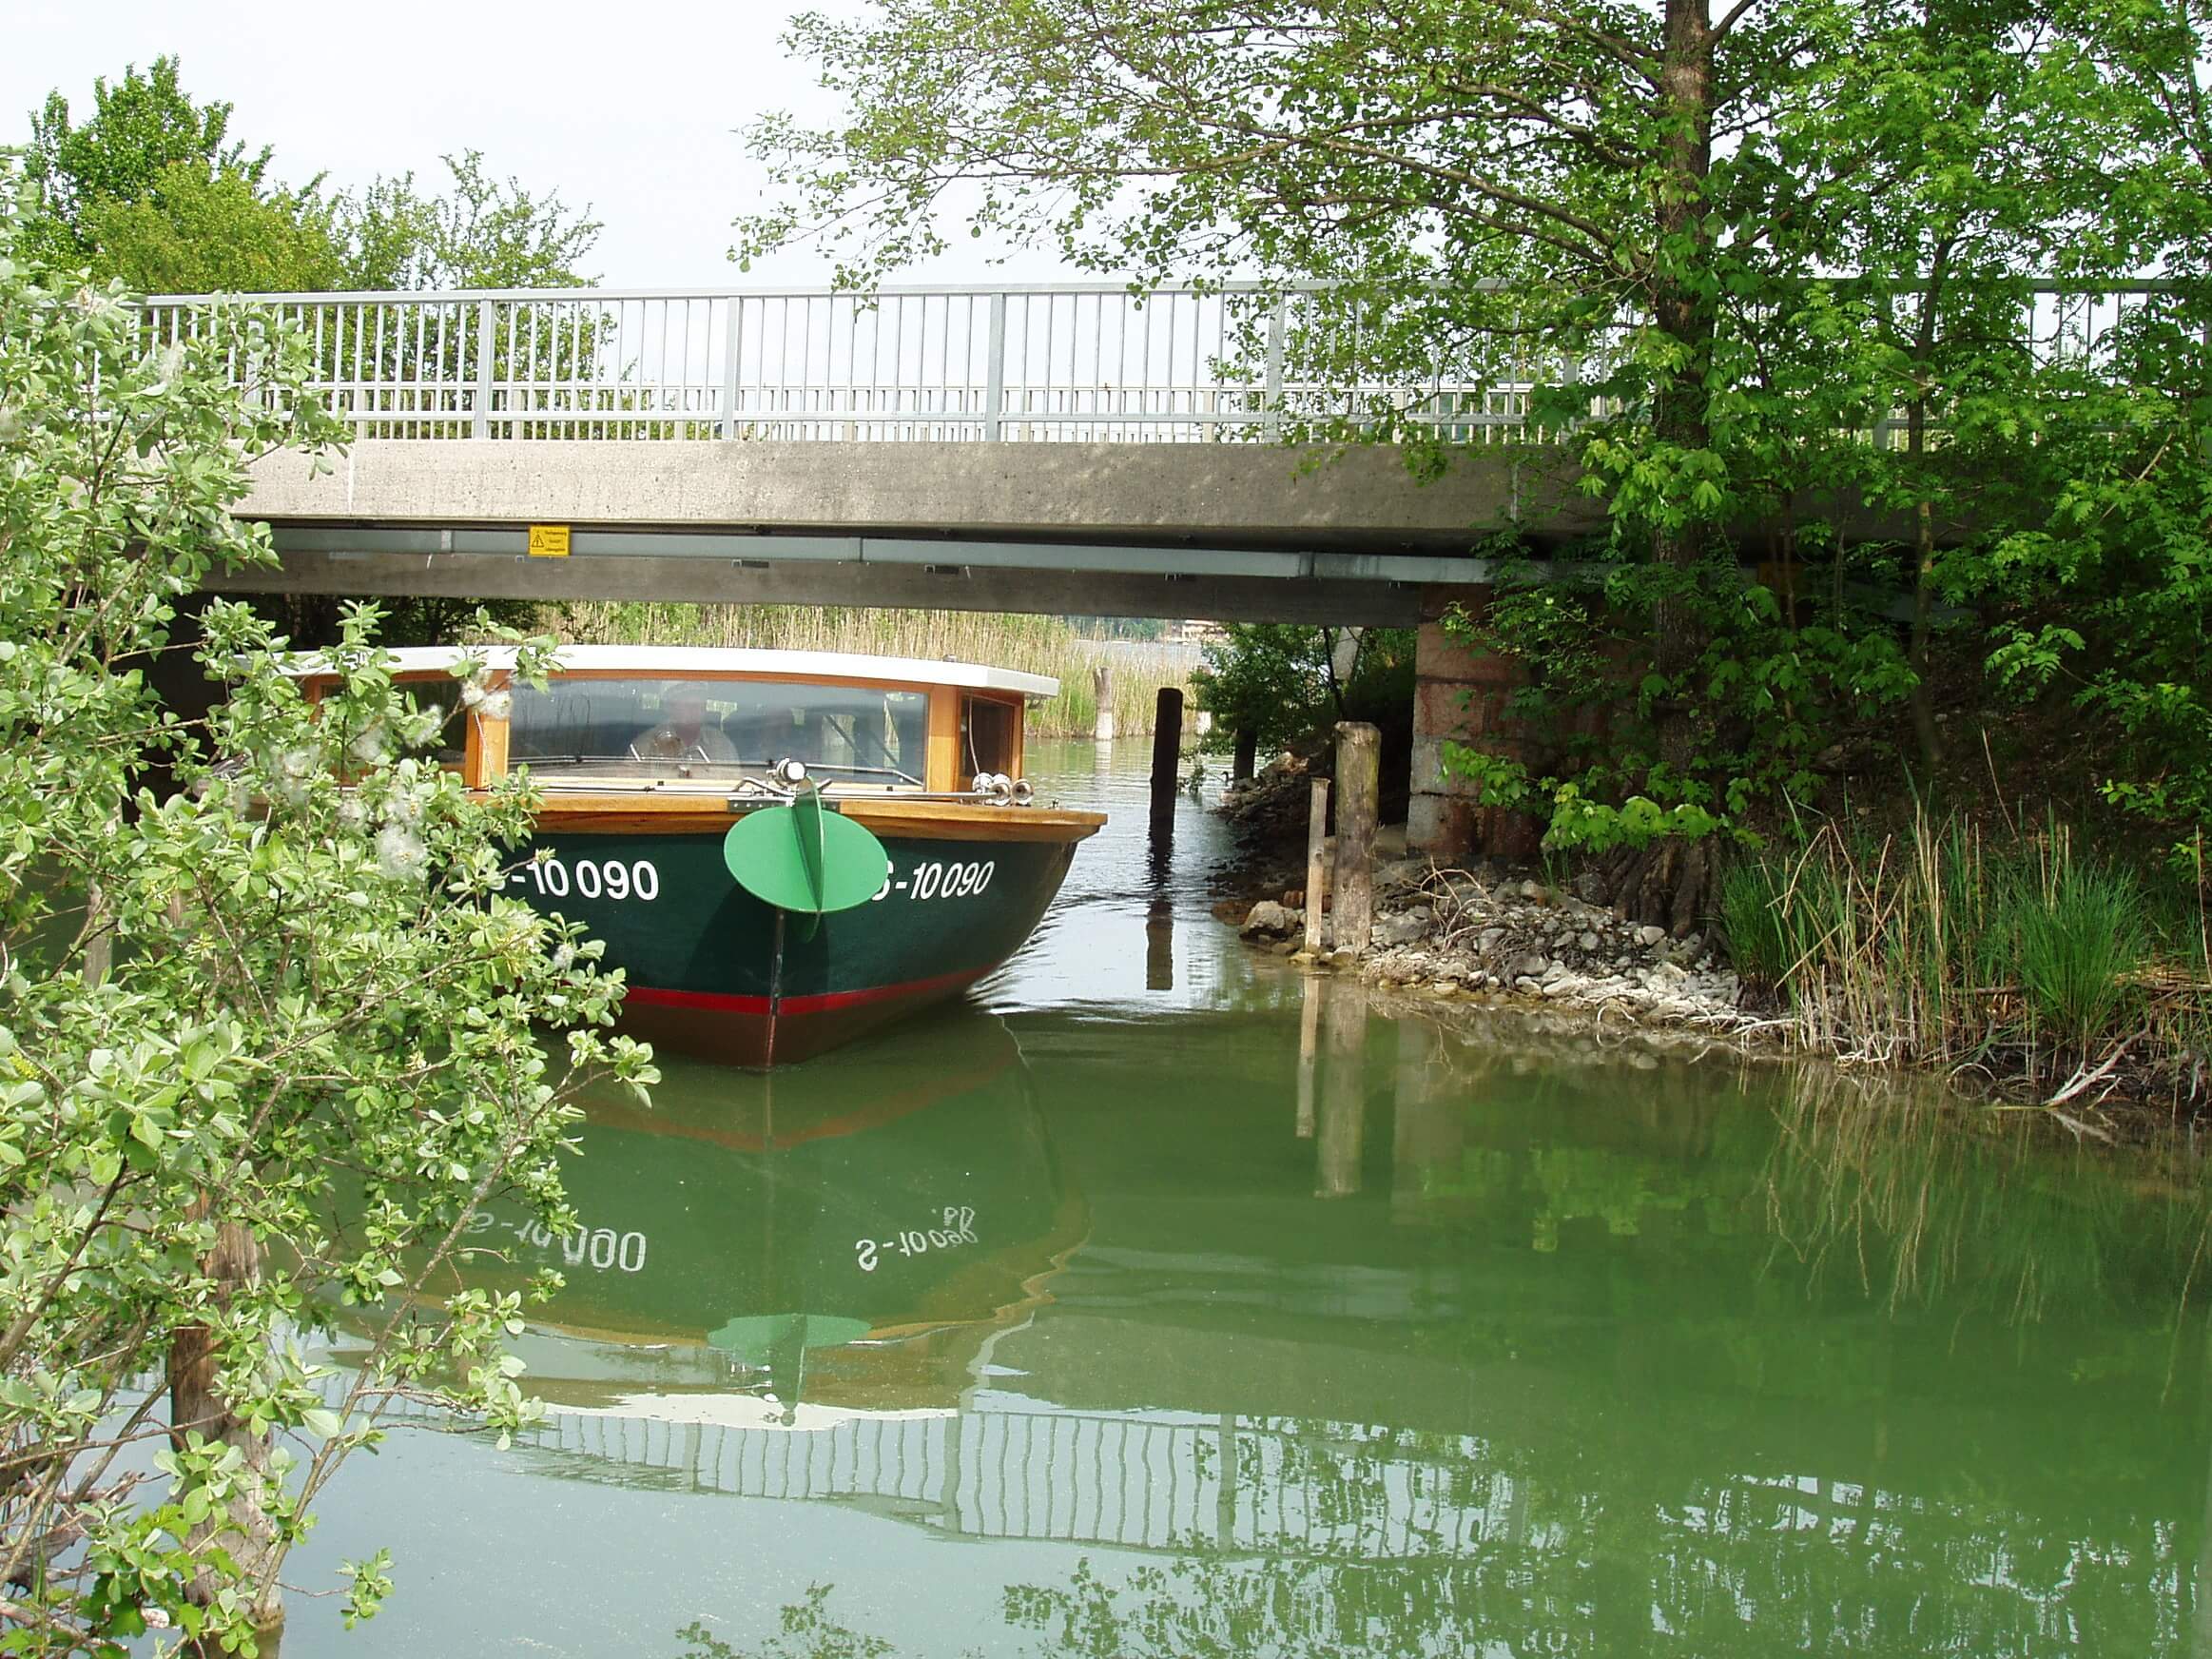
[715, 972]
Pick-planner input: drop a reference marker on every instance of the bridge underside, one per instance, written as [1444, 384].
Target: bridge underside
[1222, 584]
[1232, 532]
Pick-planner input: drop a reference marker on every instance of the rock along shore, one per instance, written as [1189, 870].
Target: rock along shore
[1496, 937]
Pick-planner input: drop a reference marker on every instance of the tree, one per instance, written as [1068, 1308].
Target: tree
[266, 1044]
[1490, 185]
[145, 133]
[2107, 600]
[1729, 247]
[479, 234]
[197, 232]
[1282, 683]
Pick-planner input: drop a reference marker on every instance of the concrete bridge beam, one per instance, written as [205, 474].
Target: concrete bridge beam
[1221, 494]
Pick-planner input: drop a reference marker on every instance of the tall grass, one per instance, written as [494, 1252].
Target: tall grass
[2015, 953]
[1043, 645]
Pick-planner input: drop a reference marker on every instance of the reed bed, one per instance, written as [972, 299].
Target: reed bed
[2013, 954]
[1043, 645]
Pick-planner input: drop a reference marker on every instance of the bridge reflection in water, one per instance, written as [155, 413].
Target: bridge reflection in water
[1014, 1469]
[1494, 1341]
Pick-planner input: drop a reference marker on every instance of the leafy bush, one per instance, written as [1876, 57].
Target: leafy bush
[301, 970]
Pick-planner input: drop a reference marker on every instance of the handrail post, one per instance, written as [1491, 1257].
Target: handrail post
[734, 307]
[1271, 394]
[482, 428]
[994, 371]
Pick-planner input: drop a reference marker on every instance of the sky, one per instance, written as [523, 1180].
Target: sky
[625, 108]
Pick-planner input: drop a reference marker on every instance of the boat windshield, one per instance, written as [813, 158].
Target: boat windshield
[716, 729]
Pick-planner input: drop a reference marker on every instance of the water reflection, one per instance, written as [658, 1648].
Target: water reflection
[1159, 944]
[844, 1235]
[1564, 1377]
[1351, 1329]
[1343, 1089]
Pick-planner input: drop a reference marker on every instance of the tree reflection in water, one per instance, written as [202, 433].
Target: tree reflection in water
[1862, 1374]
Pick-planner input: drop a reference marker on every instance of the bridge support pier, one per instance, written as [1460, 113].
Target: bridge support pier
[1460, 696]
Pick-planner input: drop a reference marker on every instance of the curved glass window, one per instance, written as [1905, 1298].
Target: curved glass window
[861, 734]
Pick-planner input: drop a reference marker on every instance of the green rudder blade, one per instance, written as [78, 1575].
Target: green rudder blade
[805, 859]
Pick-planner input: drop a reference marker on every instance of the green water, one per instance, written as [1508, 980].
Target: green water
[1162, 1301]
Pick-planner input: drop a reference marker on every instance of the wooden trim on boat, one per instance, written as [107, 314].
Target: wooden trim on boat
[942, 770]
[643, 812]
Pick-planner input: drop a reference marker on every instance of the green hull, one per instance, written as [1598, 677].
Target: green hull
[714, 971]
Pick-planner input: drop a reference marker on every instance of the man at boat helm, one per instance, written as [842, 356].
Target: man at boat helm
[685, 735]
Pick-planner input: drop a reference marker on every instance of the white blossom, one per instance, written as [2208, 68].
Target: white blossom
[423, 727]
[498, 705]
[400, 852]
[372, 747]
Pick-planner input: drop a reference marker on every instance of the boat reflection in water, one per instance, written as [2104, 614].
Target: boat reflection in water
[782, 1248]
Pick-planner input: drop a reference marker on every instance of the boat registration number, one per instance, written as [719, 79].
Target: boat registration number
[591, 878]
[940, 881]
[614, 878]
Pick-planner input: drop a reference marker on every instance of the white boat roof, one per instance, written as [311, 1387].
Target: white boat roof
[675, 661]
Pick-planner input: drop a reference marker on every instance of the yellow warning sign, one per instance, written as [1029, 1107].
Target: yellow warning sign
[549, 541]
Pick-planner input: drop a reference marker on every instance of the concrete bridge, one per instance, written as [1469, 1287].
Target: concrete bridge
[1062, 449]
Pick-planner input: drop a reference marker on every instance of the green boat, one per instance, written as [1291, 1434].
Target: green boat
[783, 850]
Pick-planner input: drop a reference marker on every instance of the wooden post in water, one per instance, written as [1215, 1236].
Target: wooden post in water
[1166, 754]
[1247, 756]
[1316, 863]
[1359, 776]
[1102, 693]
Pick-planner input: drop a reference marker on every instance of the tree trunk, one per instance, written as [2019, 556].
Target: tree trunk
[1918, 653]
[1918, 650]
[245, 1531]
[1667, 884]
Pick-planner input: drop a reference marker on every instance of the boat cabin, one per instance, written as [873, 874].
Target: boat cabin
[695, 719]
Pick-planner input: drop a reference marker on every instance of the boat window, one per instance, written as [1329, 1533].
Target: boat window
[713, 728]
[990, 732]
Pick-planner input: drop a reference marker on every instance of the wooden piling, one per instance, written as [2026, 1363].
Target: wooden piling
[1167, 756]
[1247, 755]
[1317, 862]
[1102, 693]
[1359, 774]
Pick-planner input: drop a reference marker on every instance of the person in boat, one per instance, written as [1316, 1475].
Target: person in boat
[764, 736]
[685, 735]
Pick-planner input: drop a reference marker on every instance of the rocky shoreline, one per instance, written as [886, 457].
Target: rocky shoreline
[1488, 935]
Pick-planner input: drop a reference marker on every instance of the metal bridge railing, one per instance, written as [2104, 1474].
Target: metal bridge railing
[1053, 362]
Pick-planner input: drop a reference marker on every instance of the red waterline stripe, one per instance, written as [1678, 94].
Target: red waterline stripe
[820, 1003]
